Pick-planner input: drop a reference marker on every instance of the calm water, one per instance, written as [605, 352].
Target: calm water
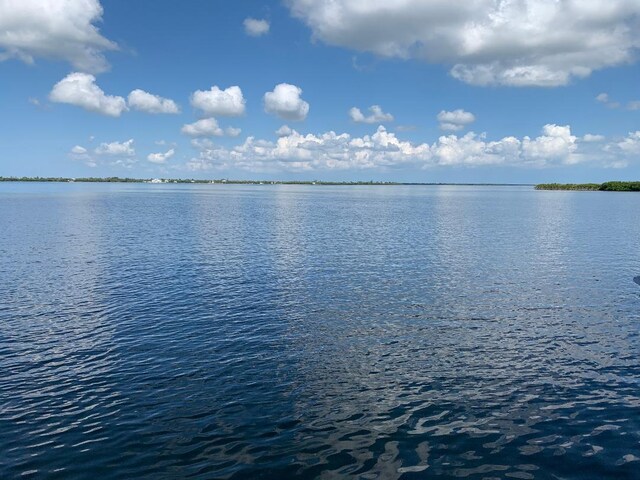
[276, 332]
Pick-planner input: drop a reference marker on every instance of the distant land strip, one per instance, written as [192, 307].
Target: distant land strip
[602, 187]
[235, 182]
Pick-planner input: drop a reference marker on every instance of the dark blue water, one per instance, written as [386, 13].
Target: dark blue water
[162, 331]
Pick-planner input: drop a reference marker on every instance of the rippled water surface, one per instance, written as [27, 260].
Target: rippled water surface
[275, 332]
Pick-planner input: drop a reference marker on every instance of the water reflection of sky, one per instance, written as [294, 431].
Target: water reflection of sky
[59, 359]
[332, 331]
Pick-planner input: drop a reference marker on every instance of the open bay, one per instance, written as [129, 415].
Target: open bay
[274, 331]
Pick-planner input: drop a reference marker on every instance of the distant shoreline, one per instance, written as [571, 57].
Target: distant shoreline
[601, 187]
[613, 186]
[239, 182]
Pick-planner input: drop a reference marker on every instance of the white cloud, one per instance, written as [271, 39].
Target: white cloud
[284, 131]
[124, 162]
[376, 115]
[602, 97]
[232, 131]
[255, 27]
[215, 102]
[208, 127]
[328, 151]
[78, 150]
[473, 150]
[451, 127]
[556, 146]
[631, 144]
[592, 138]
[203, 128]
[285, 102]
[621, 152]
[161, 158]
[486, 42]
[81, 154]
[114, 154]
[147, 102]
[456, 116]
[456, 120]
[116, 149]
[81, 90]
[55, 29]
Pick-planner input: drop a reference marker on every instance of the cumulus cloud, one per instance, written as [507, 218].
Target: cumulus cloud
[298, 152]
[474, 150]
[208, 127]
[215, 102]
[81, 90]
[621, 152]
[556, 146]
[383, 150]
[119, 149]
[147, 102]
[203, 128]
[376, 115]
[284, 131]
[555, 143]
[55, 29]
[255, 27]
[455, 120]
[631, 144]
[516, 43]
[161, 158]
[285, 102]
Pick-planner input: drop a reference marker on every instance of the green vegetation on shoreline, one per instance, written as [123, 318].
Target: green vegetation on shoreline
[602, 187]
[222, 181]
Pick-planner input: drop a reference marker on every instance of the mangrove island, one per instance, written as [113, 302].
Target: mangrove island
[602, 187]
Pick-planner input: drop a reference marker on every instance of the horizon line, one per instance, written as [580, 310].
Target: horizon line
[222, 181]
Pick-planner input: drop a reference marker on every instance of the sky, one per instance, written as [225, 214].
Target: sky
[505, 91]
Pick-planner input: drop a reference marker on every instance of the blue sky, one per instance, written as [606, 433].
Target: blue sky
[519, 91]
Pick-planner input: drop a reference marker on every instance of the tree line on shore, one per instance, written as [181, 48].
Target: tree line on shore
[602, 187]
